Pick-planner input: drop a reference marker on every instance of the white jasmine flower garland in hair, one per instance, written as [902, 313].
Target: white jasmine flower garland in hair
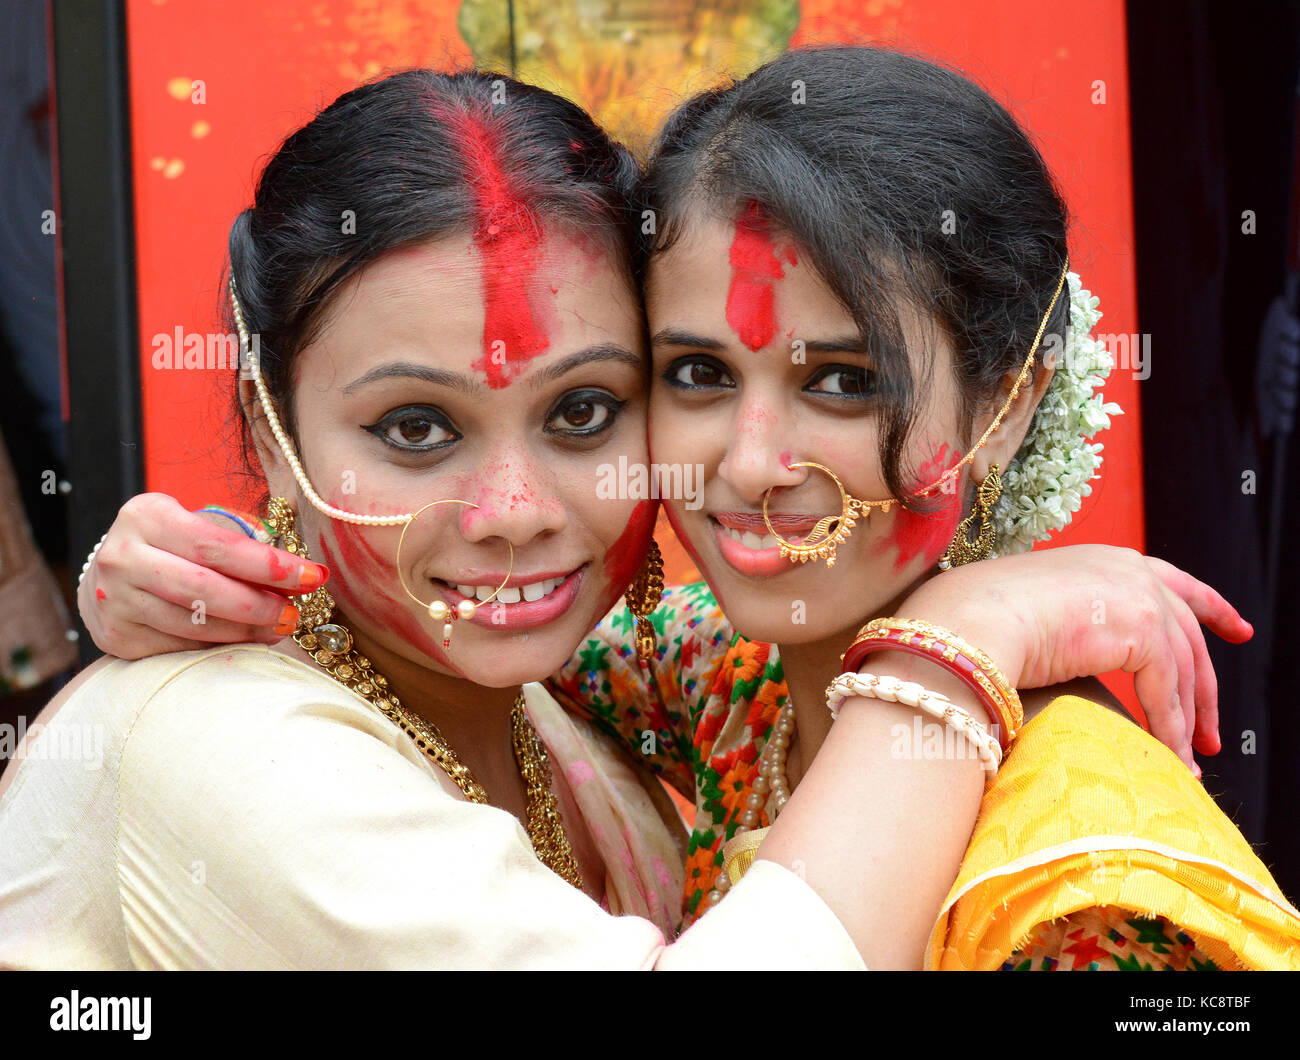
[1046, 482]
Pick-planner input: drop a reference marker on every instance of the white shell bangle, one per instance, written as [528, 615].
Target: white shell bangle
[909, 693]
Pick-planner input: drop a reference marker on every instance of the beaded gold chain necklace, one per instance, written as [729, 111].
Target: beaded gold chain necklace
[330, 646]
[544, 823]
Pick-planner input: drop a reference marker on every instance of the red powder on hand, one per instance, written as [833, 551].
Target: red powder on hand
[756, 265]
[277, 569]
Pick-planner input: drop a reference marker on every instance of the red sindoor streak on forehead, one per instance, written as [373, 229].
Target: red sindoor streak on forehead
[508, 235]
[756, 265]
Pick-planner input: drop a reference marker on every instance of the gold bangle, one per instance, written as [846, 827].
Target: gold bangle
[954, 654]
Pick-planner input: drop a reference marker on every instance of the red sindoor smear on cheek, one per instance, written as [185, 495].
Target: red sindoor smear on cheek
[625, 555]
[508, 235]
[916, 534]
[685, 540]
[756, 265]
[356, 584]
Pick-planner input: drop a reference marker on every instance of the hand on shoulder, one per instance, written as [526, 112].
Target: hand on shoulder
[1068, 613]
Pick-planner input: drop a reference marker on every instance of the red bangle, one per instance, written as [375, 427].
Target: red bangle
[937, 645]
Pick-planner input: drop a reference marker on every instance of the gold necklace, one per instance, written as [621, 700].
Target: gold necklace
[353, 670]
[330, 645]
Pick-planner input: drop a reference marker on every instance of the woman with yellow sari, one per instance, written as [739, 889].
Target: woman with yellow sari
[809, 303]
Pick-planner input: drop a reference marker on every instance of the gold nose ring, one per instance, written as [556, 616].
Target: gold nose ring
[440, 610]
[829, 532]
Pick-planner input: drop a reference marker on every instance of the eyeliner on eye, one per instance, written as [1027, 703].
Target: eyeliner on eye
[865, 392]
[597, 399]
[706, 364]
[423, 418]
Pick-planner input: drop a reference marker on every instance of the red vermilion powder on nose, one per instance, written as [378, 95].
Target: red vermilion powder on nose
[756, 264]
[508, 235]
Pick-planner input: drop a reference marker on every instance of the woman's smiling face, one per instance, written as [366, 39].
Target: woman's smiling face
[756, 366]
[406, 396]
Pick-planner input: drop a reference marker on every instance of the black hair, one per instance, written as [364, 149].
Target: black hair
[859, 153]
[399, 161]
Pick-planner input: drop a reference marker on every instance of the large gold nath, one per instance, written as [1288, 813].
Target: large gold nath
[826, 533]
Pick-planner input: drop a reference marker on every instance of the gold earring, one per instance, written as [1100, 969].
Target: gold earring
[643, 596]
[316, 608]
[440, 610]
[828, 532]
[963, 550]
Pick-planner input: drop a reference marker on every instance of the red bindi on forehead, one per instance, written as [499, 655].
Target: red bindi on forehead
[757, 262]
[508, 235]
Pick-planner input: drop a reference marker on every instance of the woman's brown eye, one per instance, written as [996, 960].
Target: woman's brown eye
[846, 382]
[415, 430]
[583, 416]
[697, 373]
[580, 414]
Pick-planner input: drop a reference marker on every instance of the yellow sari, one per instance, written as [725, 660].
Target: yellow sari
[1090, 813]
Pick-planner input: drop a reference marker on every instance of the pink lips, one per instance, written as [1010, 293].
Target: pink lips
[758, 563]
[525, 614]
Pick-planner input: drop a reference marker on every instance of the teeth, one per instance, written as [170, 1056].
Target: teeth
[513, 595]
[749, 539]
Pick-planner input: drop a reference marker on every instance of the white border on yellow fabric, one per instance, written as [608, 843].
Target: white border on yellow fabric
[1098, 845]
